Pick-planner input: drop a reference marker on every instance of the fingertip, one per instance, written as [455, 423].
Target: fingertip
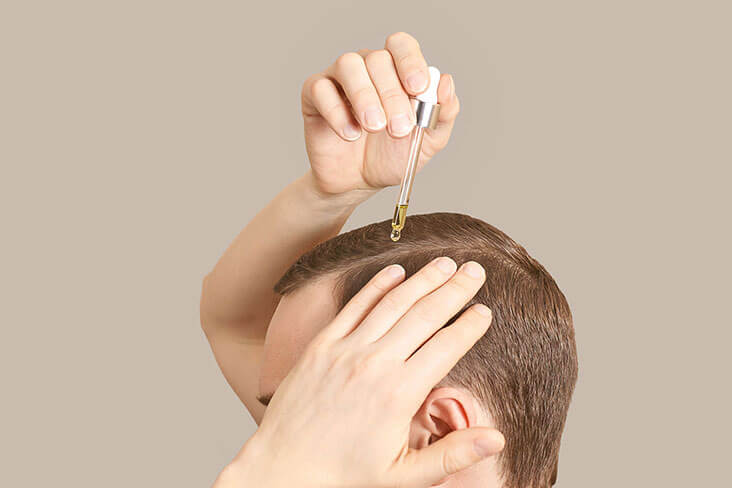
[374, 119]
[482, 310]
[448, 100]
[489, 443]
[446, 264]
[418, 81]
[401, 125]
[446, 89]
[351, 132]
[474, 270]
[388, 277]
[395, 270]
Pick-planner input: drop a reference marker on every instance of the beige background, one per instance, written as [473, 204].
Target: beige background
[138, 137]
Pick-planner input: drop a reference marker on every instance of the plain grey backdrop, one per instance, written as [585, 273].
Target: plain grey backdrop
[138, 137]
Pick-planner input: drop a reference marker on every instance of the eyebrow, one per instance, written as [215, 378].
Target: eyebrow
[265, 399]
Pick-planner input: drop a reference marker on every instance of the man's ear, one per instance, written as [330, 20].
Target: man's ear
[445, 409]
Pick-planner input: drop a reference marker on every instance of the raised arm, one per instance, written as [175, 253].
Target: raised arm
[238, 301]
[354, 114]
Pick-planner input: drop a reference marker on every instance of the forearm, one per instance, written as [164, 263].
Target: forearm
[238, 293]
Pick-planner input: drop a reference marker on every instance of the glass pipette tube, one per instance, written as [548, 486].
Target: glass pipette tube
[427, 112]
[400, 211]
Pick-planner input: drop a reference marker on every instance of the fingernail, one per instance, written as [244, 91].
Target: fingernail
[395, 270]
[488, 446]
[482, 310]
[400, 125]
[473, 269]
[374, 118]
[417, 81]
[446, 265]
[351, 131]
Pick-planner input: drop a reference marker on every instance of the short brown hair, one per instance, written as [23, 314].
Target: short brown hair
[525, 367]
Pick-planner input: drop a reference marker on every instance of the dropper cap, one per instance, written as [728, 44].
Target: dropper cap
[430, 94]
[425, 105]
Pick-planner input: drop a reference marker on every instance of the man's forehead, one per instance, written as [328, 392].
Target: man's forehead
[299, 317]
[320, 290]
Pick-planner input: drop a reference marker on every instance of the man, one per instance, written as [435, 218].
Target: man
[259, 311]
[341, 418]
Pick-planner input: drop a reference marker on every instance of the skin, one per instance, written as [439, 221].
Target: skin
[367, 91]
[301, 315]
[341, 417]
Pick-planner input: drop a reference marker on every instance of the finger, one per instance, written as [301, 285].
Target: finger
[432, 312]
[358, 307]
[349, 71]
[437, 138]
[398, 301]
[447, 98]
[410, 63]
[321, 97]
[442, 351]
[456, 451]
[394, 99]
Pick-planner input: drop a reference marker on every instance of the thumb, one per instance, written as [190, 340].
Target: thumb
[456, 451]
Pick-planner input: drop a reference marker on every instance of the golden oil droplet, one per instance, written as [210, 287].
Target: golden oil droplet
[397, 223]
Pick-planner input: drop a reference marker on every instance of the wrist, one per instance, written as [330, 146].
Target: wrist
[252, 467]
[337, 203]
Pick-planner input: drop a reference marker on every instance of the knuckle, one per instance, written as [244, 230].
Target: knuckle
[318, 344]
[401, 38]
[380, 56]
[390, 302]
[341, 359]
[408, 61]
[462, 286]
[433, 275]
[365, 364]
[394, 398]
[359, 302]
[308, 86]
[362, 95]
[423, 312]
[319, 86]
[449, 463]
[314, 357]
[347, 60]
[393, 94]
[330, 111]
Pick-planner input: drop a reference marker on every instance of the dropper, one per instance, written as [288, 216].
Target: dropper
[427, 111]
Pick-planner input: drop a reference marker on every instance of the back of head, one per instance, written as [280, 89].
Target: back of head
[525, 367]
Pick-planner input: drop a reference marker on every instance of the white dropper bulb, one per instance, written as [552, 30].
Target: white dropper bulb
[430, 94]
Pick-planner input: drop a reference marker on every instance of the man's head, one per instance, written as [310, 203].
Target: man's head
[521, 374]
